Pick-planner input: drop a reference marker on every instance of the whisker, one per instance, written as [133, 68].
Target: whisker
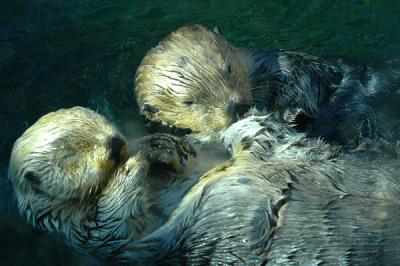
[227, 55]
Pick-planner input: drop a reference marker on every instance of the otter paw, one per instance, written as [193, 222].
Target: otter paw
[165, 149]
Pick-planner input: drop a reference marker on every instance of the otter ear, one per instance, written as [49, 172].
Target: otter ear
[148, 110]
[217, 30]
[32, 178]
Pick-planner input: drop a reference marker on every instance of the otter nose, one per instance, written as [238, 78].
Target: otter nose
[238, 108]
[115, 145]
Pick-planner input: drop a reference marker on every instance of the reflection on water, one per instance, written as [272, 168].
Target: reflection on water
[56, 53]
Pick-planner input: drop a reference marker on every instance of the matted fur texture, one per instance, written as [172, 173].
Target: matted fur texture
[282, 199]
[73, 176]
[178, 78]
[195, 79]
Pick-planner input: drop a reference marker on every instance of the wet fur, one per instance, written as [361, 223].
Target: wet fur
[68, 180]
[177, 79]
[337, 100]
[282, 199]
[343, 102]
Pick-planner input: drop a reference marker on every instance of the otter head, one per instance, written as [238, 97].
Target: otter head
[66, 156]
[193, 79]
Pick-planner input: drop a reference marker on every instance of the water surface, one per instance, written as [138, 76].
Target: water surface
[58, 53]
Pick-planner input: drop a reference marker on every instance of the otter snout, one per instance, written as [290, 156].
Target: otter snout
[237, 109]
[116, 145]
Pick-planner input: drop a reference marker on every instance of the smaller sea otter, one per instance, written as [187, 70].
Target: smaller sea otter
[195, 79]
[72, 175]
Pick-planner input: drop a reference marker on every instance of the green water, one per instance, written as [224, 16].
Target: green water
[56, 53]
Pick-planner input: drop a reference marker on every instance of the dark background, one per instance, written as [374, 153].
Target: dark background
[62, 53]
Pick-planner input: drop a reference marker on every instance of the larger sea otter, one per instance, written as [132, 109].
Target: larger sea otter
[195, 79]
[283, 199]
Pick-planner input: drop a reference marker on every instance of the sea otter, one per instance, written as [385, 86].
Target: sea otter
[282, 199]
[76, 175]
[195, 79]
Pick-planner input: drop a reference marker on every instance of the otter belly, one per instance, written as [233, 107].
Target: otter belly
[168, 188]
[283, 214]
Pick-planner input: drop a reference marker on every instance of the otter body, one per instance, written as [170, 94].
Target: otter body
[282, 199]
[75, 175]
[194, 74]
[343, 102]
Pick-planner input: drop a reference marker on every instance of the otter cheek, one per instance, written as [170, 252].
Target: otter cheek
[102, 170]
[89, 175]
[207, 119]
[216, 121]
[223, 123]
[105, 166]
[201, 126]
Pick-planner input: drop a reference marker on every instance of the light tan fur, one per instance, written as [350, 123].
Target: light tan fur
[188, 68]
[73, 175]
[195, 79]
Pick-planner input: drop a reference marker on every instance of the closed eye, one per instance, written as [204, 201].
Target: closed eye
[188, 103]
[229, 69]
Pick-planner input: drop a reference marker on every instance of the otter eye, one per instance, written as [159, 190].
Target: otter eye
[229, 69]
[188, 103]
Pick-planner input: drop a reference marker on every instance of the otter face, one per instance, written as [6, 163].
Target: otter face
[193, 79]
[66, 155]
